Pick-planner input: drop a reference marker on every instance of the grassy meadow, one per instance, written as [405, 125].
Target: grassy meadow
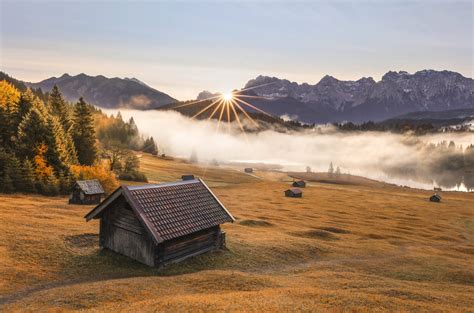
[341, 247]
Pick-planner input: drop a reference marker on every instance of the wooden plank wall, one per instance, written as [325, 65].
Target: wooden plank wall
[181, 248]
[122, 232]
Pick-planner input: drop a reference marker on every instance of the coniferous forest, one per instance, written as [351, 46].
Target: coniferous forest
[46, 143]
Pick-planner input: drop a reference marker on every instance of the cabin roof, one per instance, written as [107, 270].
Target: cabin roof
[171, 210]
[436, 196]
[295, 190]
[90, 187]
[299, 182]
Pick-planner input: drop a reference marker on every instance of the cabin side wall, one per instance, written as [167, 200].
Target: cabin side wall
[184, 247]
[121, 231]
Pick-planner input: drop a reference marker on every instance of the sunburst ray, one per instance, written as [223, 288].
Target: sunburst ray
[254, 87]
[252, 106]
[218, 104]
[206, 108]
[245, 112]
[196, 102]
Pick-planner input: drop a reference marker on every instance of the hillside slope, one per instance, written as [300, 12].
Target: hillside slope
[339, 248]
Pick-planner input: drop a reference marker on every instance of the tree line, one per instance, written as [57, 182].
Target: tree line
[47, 143]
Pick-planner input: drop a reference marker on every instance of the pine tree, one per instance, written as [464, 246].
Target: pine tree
[83, 133]
[62, 152]
[150, 146]
[28, 100]
[331, 170]
[6, 181]
[59, 108]
[27, 177]
[9, 111]
[14, 171]
[33, 131]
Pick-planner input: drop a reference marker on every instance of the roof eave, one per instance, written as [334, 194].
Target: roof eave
[141, 216]
[218, 201]
[101, 206]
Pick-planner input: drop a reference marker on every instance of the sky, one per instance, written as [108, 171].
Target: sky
[184, 47]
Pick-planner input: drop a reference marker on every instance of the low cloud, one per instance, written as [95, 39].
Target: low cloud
[376, 155]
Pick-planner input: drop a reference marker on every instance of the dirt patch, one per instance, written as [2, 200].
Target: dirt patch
[255, 223]
[82, 240]
[335, 230]
[315, 234]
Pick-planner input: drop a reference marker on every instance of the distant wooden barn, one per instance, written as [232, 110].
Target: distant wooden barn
[435, 198]
[248, 170]
[161, 224]
[86, 192]
[299, 184]
[437, 189]
[294, 193]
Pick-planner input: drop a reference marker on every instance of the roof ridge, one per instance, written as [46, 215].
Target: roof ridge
[166, 184]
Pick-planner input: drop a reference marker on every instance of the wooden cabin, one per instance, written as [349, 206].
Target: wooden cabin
[299, 184]
[435, 198]
[436, 189]
[187, 177]
[294, 193]
[161, 224]
[86, 192]
[248, 170]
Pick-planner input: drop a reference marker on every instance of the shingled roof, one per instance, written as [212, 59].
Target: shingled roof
[171, 210]
[90, 187]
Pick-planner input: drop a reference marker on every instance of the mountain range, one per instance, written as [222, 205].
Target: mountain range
[107, 92]
[329, 100]
[333, 100]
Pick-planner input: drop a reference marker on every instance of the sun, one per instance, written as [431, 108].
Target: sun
[227, 96]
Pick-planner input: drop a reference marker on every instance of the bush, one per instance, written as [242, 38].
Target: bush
[100, 172]
[134, 176]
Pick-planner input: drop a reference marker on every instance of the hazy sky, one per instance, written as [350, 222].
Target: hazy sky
[183, 47]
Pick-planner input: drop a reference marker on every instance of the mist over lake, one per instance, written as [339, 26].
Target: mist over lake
[394, 158]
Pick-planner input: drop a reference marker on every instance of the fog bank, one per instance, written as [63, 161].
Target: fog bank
[370, 154]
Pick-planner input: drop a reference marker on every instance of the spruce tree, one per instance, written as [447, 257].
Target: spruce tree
[28, 100]
[83, 133]
[27, 177]
[61, 152]
[58, 107]
[14, 169]
[6, 181]
[9, 113]
[32, 131]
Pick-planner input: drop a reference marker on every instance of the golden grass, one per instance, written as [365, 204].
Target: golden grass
[340, 247]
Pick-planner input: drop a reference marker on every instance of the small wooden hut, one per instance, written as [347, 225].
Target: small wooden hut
[161, 224]
[294, 193]
[187, 177]
[299, 184]
[435, 198]
[86, 192]
[248, 170]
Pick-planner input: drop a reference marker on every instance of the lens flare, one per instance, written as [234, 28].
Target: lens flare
[228, 104]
